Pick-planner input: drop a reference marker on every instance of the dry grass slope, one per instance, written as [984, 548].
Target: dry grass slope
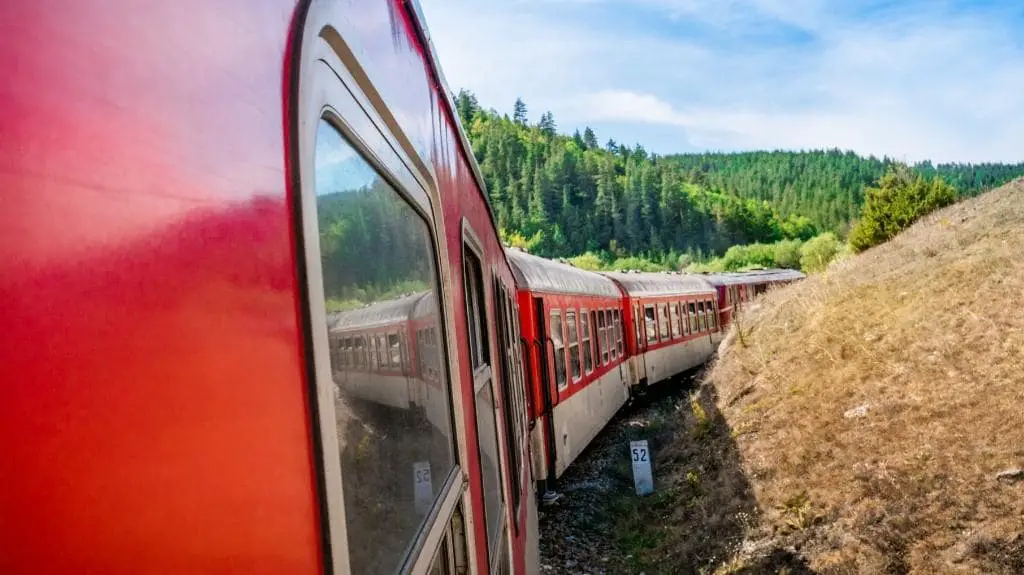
[927, 332]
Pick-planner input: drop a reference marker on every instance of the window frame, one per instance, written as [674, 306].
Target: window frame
[484, 378]
[617, 317]
[572, 332]
[664, 331]
[563, 383]
[605, 339]
[585, 341]
[651, 323]
[330, 91]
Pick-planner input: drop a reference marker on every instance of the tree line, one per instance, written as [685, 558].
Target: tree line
[563, 195]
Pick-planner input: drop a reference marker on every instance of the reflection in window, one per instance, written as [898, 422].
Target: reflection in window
[651, 324]
[574, 349]
[617, 321]
[558, 347]
[395, 429]
[693, 318]
[588, 353]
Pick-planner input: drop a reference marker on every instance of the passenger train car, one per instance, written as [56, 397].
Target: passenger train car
[257, 317]
[734, 288]
[572, 327]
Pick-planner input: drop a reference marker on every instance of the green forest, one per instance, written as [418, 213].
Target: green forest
[615, 205]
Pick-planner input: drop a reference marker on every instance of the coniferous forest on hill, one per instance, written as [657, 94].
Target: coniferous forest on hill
[561, 195]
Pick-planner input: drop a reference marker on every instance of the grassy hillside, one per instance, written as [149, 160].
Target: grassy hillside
[859, 421]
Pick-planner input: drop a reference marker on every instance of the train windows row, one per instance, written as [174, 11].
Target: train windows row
[668, 321]
[381, 351]
[573, 332]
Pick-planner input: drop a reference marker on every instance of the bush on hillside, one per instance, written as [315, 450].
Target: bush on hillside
[787, 254]
[818, 252]
[901, 198]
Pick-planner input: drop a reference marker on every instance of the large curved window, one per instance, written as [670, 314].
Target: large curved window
[393, 407]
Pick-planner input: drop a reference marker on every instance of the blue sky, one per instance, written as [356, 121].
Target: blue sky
[913, 80]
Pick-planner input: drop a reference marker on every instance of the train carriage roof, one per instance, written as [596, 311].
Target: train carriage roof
[378, 314]
[753, 277]
[539, 274]
[655, 284]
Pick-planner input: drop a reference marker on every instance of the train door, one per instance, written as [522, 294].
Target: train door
[548, 391]
[641, 344]
[486, 405]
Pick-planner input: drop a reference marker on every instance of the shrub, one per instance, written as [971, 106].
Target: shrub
[900, 198]
[818, 252]
[787, 254]
[588, 261]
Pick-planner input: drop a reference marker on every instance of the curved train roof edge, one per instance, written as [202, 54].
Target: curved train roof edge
[657, 284]
[753, 276]
[543, 275]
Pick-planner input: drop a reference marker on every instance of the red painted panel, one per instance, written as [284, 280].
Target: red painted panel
[154, 415]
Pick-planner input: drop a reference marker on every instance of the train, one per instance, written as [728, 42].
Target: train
[257, 314]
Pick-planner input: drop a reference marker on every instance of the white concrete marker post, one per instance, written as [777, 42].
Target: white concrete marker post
[643, 479]
[423, 487]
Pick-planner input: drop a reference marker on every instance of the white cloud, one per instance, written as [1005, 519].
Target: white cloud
[908, 84]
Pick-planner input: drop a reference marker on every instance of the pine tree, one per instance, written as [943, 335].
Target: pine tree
[590, 139]
[519, 112]
[547, 124]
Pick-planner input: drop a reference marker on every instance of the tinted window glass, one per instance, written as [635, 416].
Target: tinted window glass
[574, 347]
[486, 419]
[558, 346]
[651, 324]
[588, 353]
[380, 284]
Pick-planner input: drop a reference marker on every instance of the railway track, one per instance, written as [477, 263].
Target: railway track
[583, 531]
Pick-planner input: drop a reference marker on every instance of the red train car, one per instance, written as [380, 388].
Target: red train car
[572, 323]
[191, 190]
[734, 288]
[673, 321]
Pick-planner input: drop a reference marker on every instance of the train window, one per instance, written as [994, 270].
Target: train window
[674, 312]
[602, 344]
[395, 348]
[558, 347]
[663, 321]
[396, 445]
[605, 339]
[694, 328]
[702, 320]
[486, 403]
[712, 315]
[588, 353]
[574, 345]
[613, 334]
[636, 323]
[476, 311]
[513, 402]
[651, 323]
[617, 322]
